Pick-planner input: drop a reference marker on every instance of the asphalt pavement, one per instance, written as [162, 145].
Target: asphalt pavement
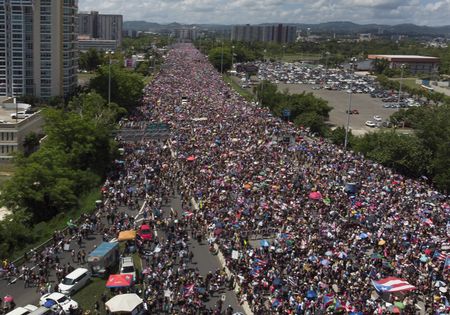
[203, 260]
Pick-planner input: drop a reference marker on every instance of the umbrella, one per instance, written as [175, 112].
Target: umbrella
[219, 225]
[381, 242]
[363, 236]
[400, 305]
[264, 243]
[125, 303]
[146, 271]
[325, 262]
[119, 281]
[329, 253]
[315, 195]
[191, 158]
[218, 231]
[376, 256]
[8, 299]
[311, 295]
[440, 283]
[312, 258]
[342, 255]
[276, 282]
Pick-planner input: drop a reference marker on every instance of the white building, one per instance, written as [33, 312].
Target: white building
[38, 48]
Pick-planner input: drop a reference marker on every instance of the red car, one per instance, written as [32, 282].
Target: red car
[145, 232]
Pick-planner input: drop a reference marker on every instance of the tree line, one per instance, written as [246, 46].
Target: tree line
[72, 159]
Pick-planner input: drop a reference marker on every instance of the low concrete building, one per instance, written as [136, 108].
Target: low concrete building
[415, 64]
[13, 131]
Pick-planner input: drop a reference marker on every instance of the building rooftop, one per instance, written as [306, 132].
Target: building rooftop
[6, 110]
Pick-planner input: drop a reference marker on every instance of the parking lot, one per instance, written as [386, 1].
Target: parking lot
[366, 105]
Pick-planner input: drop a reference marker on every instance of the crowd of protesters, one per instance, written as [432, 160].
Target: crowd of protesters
[253, 175]
[304, 226]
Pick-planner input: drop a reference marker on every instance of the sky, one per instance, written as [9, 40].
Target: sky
[420, 12]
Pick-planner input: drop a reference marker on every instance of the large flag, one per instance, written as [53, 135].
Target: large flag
[392, 284]
[447, 263]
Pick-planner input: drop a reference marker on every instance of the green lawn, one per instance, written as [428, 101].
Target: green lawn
[409, 82]
[6, 171]
[295, 57]
[243, 92]
[91, 293]
[84, 78]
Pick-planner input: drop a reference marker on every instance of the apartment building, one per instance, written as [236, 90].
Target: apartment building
[100, 26]
[38, 47]
[278, 33]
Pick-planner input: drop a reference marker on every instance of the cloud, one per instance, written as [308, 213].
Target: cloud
[423, 12]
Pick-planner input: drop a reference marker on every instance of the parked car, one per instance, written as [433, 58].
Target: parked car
[74, 281]
[127, 267]
[370, 124]
[145, 232]
[353, 112]
[377, 118]
[27, 309]
[19, 115]
[58, 300]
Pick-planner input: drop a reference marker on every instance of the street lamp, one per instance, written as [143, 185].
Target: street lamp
[262, 83]
[402, 67]
[221, 60]
[353, 60]
[109, 53]
[327, 54]
[232, 57]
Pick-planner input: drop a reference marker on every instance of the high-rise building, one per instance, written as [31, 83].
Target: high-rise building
[278, 33]
[38, 47]
[101, 26]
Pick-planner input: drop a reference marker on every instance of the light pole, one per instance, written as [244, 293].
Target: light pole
[109, 53]
[327, 54]
[221, 60]
[262, 83]
[232, 57]
[349, 105]
[402, 67]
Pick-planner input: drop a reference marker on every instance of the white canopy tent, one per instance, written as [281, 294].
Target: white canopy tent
[124, 303]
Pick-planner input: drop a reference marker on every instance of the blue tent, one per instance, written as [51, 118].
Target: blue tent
[264, 243]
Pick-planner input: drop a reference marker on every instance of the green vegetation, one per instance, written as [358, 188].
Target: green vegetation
[304, 109]
[243, 92]
[426, 152]
[339, 50]
[50, 183]
[91, 293]
[220, 59]
[419, 92]
[126, 86]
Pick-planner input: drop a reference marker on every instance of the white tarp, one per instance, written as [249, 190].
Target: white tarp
[123, 303]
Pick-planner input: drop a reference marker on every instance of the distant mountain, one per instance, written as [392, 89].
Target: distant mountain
[339, 27]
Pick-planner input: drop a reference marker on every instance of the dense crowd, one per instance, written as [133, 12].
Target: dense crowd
[329, 242]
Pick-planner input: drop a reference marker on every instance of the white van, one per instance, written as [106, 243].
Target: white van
[43, 311]
[27, 309]
[74, 281]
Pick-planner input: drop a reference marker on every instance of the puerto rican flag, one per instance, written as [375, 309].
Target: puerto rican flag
[447, 263]
[392, 284]
[440, 255]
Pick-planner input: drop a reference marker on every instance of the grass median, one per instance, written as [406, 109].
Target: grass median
[243, 92]
[91, 293]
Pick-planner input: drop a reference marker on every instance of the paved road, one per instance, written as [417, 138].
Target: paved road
[203, 260]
